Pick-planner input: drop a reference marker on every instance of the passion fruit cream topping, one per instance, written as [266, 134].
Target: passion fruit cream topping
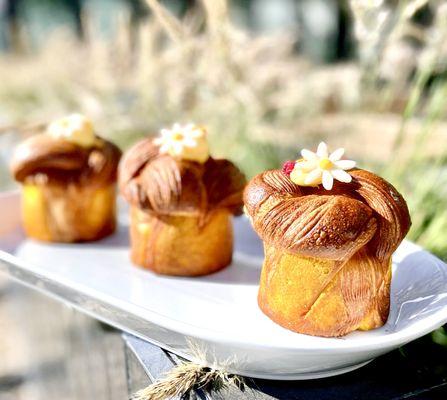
[187, 142]
[74, 128]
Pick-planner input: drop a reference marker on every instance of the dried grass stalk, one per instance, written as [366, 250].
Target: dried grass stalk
[216, 12]
[186, 377]
[170, 23]
[24, 129]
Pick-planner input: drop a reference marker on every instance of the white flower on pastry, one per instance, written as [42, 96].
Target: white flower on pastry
[321, 168]
[75, 128]
[187, 142]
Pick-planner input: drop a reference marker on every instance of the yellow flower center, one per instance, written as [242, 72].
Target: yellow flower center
[325, 163]
[177, 136]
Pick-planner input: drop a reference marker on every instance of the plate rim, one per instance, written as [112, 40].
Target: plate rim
[324, 345]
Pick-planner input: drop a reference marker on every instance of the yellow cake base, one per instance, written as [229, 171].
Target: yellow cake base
[323, 297]
[181, 245]
[56, 213]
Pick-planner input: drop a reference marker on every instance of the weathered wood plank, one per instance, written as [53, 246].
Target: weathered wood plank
[49, 351]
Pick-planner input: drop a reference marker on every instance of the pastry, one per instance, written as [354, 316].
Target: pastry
[68, 177]
[182, 202]
[328, 239]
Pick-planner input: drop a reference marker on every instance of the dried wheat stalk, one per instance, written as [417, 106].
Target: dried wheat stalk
[171, 24]
[188, 376]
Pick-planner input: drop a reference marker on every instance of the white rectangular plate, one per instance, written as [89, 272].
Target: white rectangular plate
[215, 319]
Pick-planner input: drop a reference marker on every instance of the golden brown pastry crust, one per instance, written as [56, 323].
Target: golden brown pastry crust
[58, 161]
[163, 185]
[181, 210]
[328, 224]
[70, 213]
[327, 253]
[68, 190]
[181, 245]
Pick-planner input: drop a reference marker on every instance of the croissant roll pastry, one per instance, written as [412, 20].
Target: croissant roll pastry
[182, 202]
[328, 239]
[68, 176]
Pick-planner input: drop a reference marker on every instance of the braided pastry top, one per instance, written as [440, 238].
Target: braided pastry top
[162, 184]
[328, 224]
[59, 161]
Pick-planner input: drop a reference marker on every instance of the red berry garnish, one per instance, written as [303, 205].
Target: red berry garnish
[288, 167]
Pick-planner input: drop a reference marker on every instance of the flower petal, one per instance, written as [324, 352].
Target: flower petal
[313, 177]
[165, 148]
[306, 165]
[341, 175]
[308, 155]
[322, 150]
[177, 148]
[165, 133]
[344, 164]
[328, 180]
[337, 154]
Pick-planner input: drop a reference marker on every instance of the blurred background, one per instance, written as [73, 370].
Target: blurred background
[267, 77]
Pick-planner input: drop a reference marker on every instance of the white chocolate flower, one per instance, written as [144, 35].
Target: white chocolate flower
[321, 168]
[75, 128]
[185, 142]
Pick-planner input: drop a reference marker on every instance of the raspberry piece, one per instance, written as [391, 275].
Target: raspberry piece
[288, 167]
